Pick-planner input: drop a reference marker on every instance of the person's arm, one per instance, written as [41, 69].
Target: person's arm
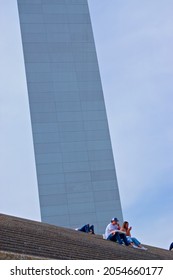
[118, 226]
[111, 230]
[128, 231]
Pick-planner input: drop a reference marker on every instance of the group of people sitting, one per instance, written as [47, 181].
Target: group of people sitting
[121, 234]
[115, 232]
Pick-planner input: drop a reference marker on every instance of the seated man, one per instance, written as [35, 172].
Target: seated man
[111, 232]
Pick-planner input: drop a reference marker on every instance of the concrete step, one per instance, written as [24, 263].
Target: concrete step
[39, 240]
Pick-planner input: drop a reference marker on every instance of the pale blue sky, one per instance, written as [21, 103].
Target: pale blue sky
[134, 41]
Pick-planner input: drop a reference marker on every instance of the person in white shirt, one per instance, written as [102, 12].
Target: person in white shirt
[111, 232]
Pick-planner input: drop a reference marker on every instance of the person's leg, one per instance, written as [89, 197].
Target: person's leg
[115, 237]
[111, 237]
[136, 242]
[91, 229]
[123, 237]
[85, 228]
[129, 239]
[118, 238]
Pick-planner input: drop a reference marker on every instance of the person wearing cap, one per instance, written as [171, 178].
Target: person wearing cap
[112, 232]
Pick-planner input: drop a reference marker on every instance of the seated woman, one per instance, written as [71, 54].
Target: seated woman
[132, 240]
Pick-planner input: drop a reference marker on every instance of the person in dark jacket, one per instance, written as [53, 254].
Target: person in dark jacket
[87, 228]
[171, 247]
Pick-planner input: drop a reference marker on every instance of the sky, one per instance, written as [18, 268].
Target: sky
[134, 42]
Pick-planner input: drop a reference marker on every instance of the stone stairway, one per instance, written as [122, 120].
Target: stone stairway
[26, 239]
